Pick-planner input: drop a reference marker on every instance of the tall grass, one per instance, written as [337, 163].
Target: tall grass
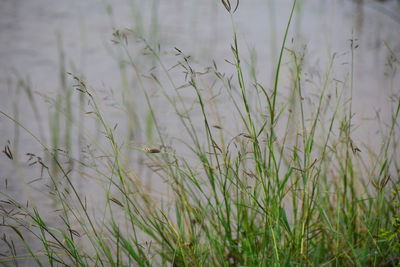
[290, 187]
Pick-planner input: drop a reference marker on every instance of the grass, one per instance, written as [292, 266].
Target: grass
[289, 187]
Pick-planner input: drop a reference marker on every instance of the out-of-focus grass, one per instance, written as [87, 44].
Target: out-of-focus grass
[291, 187]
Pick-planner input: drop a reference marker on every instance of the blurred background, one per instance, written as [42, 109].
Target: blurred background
[42, 41]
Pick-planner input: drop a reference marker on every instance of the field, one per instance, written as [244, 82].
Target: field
[193, 164]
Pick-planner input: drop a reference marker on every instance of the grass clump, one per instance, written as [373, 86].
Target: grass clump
[290, 187]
